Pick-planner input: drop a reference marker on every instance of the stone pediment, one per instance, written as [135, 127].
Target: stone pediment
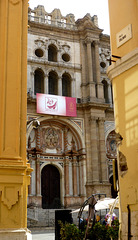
[86, 22]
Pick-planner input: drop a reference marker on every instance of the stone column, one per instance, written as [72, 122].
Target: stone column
[60, 86]
[46, 51]
[96, 44]
[46, 83]
[92, 92]
[94, 150]
[74, 174]
[32, 83]
[100, 92]
[65, 140]
[37, 132]
[89, 60]
[83, 60]
[80, 177]
[110, 94]
[73, 89]
[103, 165]
[37, 175]
[67, 178]
[84, 175]
[14, 169]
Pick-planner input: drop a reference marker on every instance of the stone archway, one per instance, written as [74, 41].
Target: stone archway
[50, 187]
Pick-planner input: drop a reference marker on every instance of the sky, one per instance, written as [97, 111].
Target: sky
[79, 8]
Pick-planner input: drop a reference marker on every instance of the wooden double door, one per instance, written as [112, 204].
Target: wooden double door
[50, 187]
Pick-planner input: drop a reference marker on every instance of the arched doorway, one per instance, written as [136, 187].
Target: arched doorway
[50, 187]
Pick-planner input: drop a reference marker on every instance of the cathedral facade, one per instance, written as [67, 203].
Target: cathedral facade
[71, 157]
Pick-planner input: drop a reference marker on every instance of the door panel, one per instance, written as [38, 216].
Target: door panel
[50, 187]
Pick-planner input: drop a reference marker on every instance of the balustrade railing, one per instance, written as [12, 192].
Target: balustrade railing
[48, 21]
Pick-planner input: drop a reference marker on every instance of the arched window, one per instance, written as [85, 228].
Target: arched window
[66, 85]
[39, 81]
[105, 84]
[52, 53]
[53, 83]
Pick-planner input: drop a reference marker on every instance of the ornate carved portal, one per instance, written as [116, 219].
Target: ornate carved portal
[55, 153]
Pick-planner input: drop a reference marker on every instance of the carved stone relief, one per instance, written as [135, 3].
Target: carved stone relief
[51, 138]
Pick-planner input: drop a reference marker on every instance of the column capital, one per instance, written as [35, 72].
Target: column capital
[38, 160]
[101, 119]
[45, 75]
[66, 162]
[88, 40]
[60, 76]
[93, 118]
[96, 42]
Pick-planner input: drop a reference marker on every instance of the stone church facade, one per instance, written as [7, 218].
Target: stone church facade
[71, 156]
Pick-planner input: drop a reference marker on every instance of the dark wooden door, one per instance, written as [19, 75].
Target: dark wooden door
[50, 187]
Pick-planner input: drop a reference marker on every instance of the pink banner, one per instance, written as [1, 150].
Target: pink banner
[56, 105]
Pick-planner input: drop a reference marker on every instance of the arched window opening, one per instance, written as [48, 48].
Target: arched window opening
[53, 83]
[105, 84]
[66, 85]
[39, 81]
[52, 53]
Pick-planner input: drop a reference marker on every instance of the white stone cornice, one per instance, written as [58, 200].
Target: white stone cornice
[125, 63]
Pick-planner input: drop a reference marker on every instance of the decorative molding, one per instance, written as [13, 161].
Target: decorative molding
[14, 2]
[10, 195]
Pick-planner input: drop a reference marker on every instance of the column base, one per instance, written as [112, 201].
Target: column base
[14, 234]
[74, 201]
[34, 201]
[95, 187]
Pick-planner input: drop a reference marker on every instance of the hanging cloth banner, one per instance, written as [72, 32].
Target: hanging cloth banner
[56, 105]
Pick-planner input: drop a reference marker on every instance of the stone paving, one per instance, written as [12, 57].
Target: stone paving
[43, 234]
